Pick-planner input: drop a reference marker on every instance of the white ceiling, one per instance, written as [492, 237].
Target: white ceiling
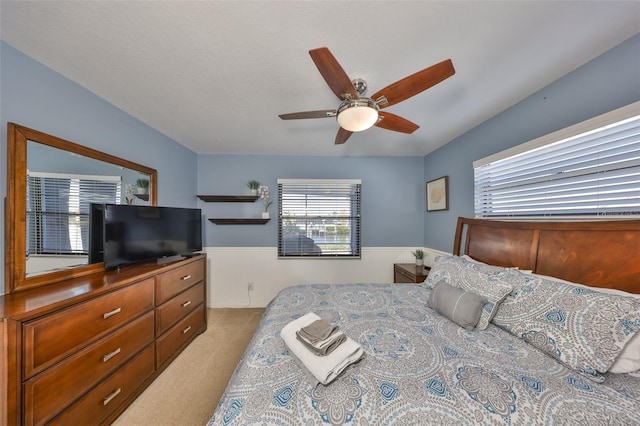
[214, 75]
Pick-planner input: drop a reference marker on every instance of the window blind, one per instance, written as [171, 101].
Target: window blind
[593, 172]
[319, 218]
[58, 210]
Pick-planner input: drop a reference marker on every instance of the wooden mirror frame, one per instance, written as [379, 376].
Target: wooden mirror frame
[16, 205]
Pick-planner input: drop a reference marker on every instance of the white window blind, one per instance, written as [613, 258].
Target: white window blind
[319, 218]
[591, 169]
[58, 210]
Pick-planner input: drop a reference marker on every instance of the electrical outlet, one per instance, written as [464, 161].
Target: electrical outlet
[249, 286]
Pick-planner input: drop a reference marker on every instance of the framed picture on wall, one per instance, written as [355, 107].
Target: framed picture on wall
[438, 194]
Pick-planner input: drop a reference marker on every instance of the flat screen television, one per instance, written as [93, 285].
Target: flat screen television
[135, 234]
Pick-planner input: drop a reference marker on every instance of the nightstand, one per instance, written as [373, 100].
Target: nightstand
[409, 273]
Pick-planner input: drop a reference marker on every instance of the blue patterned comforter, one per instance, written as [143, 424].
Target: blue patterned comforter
[419, 368]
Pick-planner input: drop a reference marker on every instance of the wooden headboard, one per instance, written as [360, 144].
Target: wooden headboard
[598, 254]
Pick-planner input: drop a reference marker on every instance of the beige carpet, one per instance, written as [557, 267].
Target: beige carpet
[187, 392]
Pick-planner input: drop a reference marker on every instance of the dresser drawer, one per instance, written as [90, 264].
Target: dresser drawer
[173, 282]
[178, 307]
[177, 336]
[95, 406]
[81, 324]
[48, 392]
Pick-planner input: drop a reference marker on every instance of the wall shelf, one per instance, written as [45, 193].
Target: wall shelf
[242, 221]
[228, 198]
[233, 199]
[144, 197]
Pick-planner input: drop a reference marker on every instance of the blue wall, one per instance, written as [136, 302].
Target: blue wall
[35, 96]
[393, 187]
[610, 81]
[393, 195]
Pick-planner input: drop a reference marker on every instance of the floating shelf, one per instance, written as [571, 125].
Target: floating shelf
[228, 198]
[144, 197]
[242, 221]
[233, 199]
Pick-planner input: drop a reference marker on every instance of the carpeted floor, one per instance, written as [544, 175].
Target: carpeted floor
[187, 392]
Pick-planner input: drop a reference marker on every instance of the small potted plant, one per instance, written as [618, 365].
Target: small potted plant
[253, 186]
[419, 255]
[143, 185]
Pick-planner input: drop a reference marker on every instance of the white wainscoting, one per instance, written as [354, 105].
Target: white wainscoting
[230, 269]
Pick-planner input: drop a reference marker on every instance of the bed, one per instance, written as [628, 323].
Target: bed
[542, 357]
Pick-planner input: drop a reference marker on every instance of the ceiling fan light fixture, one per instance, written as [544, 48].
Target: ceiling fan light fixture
[357, 115]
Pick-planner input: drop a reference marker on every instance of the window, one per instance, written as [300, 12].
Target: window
[590, 169]
[319, 218]
[57, 221]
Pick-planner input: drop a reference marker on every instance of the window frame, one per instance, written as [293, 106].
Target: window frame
[352, 187]
[568, 135]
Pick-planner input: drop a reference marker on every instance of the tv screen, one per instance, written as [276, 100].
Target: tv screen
[134, 234]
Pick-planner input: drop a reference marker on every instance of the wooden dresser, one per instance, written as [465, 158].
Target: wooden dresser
[80, 351]
[409, 273]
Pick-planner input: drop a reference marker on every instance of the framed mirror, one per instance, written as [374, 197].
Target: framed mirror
[51, 183]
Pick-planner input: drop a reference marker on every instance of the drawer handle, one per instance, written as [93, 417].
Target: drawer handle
[186, 330]
[110, 355]
[110, 397]
[187, 303]
[186, 277]
[112, 313]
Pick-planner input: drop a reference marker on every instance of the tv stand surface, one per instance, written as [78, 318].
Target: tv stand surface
[113, 331]
[170, 259]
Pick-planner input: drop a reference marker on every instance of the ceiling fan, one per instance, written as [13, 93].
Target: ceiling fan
[357, 112]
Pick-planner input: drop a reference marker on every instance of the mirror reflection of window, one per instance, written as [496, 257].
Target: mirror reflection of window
[58, 215]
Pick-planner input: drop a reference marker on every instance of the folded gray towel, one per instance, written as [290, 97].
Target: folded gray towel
[317, 331]
[323, 347]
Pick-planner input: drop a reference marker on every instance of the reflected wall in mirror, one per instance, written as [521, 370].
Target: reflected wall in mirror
[51, 185]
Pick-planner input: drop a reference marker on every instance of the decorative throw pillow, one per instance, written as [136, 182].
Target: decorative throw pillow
[585, 329]
[489, 282]
[462, 307]
[627, 361]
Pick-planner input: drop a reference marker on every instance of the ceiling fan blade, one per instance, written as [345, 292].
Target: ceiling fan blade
[396, 123]
[309, 114]
[342, 136]
[415, 83]
[332, 72]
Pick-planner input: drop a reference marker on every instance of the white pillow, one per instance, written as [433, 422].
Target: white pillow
[628, 361]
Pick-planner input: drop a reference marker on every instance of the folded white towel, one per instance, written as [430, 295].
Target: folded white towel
[324, 368]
